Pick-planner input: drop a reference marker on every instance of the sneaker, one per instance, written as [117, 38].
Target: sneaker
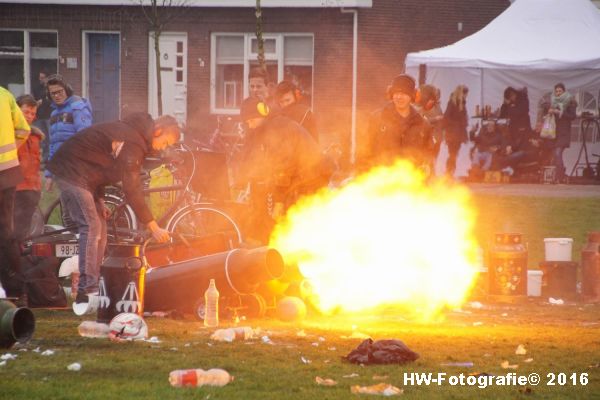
[81, 298]
[84, 297]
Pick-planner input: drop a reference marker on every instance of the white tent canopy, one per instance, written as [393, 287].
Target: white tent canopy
[533, 44]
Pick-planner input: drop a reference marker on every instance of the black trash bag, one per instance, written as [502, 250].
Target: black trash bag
[381, 352]
[41, 282]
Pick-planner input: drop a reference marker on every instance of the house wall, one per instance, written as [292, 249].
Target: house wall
[386, 33]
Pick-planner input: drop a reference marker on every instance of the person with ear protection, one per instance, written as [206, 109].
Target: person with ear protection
[398, 130]
[70, 114]
[289, 98]
[280, 162]
[101, 155]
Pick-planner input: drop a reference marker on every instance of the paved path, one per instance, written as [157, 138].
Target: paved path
[535, 190]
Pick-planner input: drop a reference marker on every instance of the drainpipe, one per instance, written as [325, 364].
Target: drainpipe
[354, 79]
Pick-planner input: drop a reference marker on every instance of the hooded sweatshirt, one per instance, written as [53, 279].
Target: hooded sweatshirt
[106, 154]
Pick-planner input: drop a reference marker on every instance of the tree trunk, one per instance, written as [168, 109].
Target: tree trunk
[158, 74]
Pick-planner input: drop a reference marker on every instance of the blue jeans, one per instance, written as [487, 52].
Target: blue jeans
[483, 159]
[86, 214]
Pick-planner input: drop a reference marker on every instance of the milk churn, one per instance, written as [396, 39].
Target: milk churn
[590, 268]
[507, 268]
[120, 281]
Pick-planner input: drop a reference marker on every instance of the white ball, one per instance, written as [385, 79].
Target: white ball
[127, 326]
[69, 266]
[291, 309]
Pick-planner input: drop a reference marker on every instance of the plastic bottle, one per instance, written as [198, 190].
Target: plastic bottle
[211, 305]
[93, 329]
[199, 377]
[231, 334]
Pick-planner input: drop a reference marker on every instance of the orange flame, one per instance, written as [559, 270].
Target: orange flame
[386, 238]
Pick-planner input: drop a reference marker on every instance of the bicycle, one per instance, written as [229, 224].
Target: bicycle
[187, 215]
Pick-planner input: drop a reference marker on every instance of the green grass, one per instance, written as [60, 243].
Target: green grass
[560, 339]
[537, 218]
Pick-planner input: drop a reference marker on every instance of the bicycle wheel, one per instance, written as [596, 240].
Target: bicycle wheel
[198, 220]
[122, 217]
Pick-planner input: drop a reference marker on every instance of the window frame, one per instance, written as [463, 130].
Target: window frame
[249, 57]
[26, 53]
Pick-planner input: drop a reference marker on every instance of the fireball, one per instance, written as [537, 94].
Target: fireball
[387, 238]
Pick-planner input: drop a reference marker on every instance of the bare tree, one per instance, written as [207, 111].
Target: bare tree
[259, 36]
[159, 13]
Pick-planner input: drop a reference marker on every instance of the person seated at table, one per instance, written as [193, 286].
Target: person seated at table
[488, 144]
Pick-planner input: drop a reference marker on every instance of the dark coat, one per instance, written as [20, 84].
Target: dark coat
[391, 136]
[303, 115]
[563, 126]
[519, 124]
[283, 154]
[455, 122]
[87, 159]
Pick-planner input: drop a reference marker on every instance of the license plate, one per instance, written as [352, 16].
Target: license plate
[67, 250]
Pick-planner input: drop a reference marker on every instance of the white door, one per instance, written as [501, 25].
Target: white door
[173, 73]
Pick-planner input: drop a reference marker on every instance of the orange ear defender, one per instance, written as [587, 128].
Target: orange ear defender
[418, 96]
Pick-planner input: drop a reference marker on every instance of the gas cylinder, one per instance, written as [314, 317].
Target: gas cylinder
[590, 268]
[507, 268]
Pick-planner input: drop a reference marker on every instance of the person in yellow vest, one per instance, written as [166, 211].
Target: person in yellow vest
[14, 130]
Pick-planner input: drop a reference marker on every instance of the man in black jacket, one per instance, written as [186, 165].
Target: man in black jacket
[97, 156]
[397, 130]
[288, 97]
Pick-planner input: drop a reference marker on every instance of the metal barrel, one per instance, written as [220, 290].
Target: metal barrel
[236, 272]
[16, 324]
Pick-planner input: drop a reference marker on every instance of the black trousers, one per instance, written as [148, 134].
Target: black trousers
[11, 275]
[25, 203]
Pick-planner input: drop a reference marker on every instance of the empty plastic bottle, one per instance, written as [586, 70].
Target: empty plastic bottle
[93, 329]
[211, 305]
[231, 334]
[199, 377]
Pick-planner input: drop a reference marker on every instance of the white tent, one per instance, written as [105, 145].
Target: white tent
[533, 44]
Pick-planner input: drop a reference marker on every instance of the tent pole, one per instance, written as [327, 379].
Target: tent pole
[481, 89]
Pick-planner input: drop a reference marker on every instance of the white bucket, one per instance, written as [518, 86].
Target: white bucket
[534, 282]
[87, 308]
[558, 249]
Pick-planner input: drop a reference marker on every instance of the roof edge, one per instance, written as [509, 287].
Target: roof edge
[211, 3]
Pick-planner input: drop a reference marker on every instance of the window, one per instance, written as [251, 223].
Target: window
[23, 54]
[288, 56]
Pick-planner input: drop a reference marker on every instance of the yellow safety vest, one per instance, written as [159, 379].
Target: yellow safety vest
[12, 126]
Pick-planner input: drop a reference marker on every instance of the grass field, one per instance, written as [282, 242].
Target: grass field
[559, 340]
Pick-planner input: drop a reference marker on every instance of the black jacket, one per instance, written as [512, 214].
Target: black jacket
[88, 160]
[390, 137]
[303, 115]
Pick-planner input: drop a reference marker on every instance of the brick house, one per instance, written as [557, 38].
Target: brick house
[103, 49]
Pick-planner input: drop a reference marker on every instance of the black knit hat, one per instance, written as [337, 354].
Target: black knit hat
[253, 108]
[402, 83]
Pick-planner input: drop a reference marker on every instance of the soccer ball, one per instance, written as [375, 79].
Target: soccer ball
[291, 309]
[127, 326]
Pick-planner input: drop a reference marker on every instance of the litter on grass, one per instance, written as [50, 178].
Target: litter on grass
[506, 365]
[521, 351]
[74, 367]
[325, 381]
[384, 389]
